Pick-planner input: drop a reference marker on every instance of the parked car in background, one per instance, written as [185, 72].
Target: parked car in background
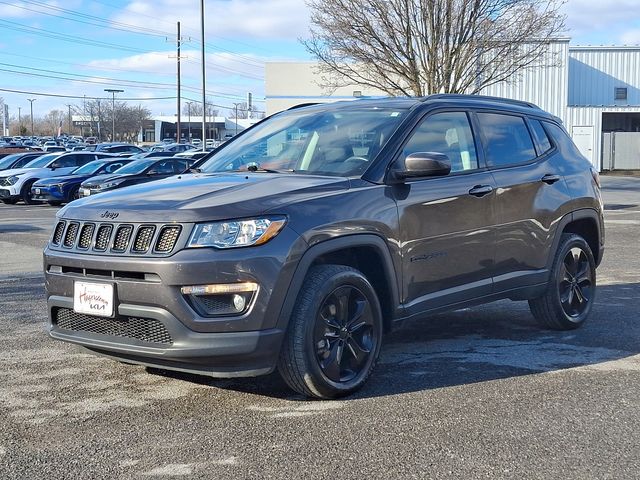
[173, 147]
[48, 144]
[138, 171]
[196, 142]
[118, 148]
[192, 154]
[58, 190]
[16, 184]
[18, 160]
[56, 148]
[157, 153]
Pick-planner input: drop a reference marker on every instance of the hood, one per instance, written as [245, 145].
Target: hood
[106, 177]
[63, 179]
[20, 171]
[203, 197]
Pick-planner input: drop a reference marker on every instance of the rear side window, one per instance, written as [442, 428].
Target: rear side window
[67, 161]
[507, 139]
[543, 143]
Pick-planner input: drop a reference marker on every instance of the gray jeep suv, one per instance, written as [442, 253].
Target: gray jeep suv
[302, 240]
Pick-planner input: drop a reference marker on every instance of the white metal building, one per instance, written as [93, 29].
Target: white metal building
[594, 90]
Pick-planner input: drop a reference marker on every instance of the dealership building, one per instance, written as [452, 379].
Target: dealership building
[595, 90]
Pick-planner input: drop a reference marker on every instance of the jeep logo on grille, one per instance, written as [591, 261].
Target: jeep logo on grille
[109, 215]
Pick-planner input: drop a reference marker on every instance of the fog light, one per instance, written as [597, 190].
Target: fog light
[217, 300]
[239, 302]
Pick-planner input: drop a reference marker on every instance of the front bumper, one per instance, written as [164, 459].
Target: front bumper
[8, 193]
[150, 288]
[47, 194]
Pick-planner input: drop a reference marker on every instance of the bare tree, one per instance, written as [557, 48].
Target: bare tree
[99, 115]
[196, 108]
[417, 47]
[241, 111]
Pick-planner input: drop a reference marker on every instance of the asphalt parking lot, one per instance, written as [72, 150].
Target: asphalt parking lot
[476, 393]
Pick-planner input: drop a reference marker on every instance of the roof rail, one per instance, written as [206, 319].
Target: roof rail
[459, 96]
[300, 105]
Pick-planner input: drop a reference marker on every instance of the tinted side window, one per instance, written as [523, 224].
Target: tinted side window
[112, 167]
[66, 161]
[163, 167]
[447, 133]
[507, 139]
[543, 143]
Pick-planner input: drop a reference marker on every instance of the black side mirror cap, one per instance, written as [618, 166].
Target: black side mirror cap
[419, 165]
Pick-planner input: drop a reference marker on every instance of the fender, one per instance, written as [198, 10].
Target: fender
[571, 217]
[328, 246]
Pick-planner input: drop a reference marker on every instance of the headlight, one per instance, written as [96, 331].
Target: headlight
[236, 233]
[13, 179]
[112, 184]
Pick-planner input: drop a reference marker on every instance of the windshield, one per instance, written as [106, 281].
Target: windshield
[137, 166]
[42, 161]
[90, 168]
[8, 160]
[341, 142]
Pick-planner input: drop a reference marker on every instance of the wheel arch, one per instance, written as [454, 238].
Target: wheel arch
[367, 253]
[586, 223]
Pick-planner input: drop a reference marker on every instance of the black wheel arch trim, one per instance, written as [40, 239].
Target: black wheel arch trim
[333, 245]
[584, 213]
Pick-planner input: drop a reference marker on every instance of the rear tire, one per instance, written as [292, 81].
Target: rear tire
[568, 299]
[334, 334]
[25, 193]
[54, 203]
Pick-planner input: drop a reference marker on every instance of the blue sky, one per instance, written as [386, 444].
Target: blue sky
[64, 47]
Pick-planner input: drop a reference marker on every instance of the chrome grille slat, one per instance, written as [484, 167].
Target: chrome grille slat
[121, 238]
[70, 235]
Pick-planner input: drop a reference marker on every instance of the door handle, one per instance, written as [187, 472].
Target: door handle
[481, 190]
[550, 178]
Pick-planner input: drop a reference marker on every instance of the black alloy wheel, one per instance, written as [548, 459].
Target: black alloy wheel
[576, 285]
[344, 334]
[571, 289]
[334, 334]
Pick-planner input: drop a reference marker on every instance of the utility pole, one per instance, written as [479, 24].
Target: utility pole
[178, 129]
[189, 113]
[69, 122]
[99, 117]
[31, 100]
[204, 98]
[236, 106]
[113, 92]
[19, 121]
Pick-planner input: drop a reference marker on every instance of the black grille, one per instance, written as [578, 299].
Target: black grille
[86, 234]
[70, 236]
[102, 238]
[143, 239]
[122, 237]
[167, 239]
[57, 233]
[142, 329]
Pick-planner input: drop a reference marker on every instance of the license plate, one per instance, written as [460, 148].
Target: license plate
[93, 298]
[37, 191]
[86, 192]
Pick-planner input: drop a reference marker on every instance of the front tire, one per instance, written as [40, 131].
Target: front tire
[334, 335]
[10, 201]
[568, 299]
[73, 194]
[25, 193]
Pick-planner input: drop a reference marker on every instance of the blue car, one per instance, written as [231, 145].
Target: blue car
[58, 190]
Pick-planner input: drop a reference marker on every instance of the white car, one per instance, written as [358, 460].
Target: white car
[16, 184]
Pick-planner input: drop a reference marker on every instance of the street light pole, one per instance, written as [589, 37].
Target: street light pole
[204, 95]
[189, 113]
[19, 121]
[113, 92]
[31, 100]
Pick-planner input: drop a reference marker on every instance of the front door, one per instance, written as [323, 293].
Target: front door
[446, 223]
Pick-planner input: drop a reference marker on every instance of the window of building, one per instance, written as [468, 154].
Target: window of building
[507, 139]
[448, 133]
[621, 93]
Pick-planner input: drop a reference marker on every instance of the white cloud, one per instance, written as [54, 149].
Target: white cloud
[587, 17]
[238, 19]
[631, 37]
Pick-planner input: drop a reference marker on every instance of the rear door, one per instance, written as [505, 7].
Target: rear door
[446, 223]
[530, 196]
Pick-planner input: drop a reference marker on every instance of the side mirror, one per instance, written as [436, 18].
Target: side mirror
[421, 164]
